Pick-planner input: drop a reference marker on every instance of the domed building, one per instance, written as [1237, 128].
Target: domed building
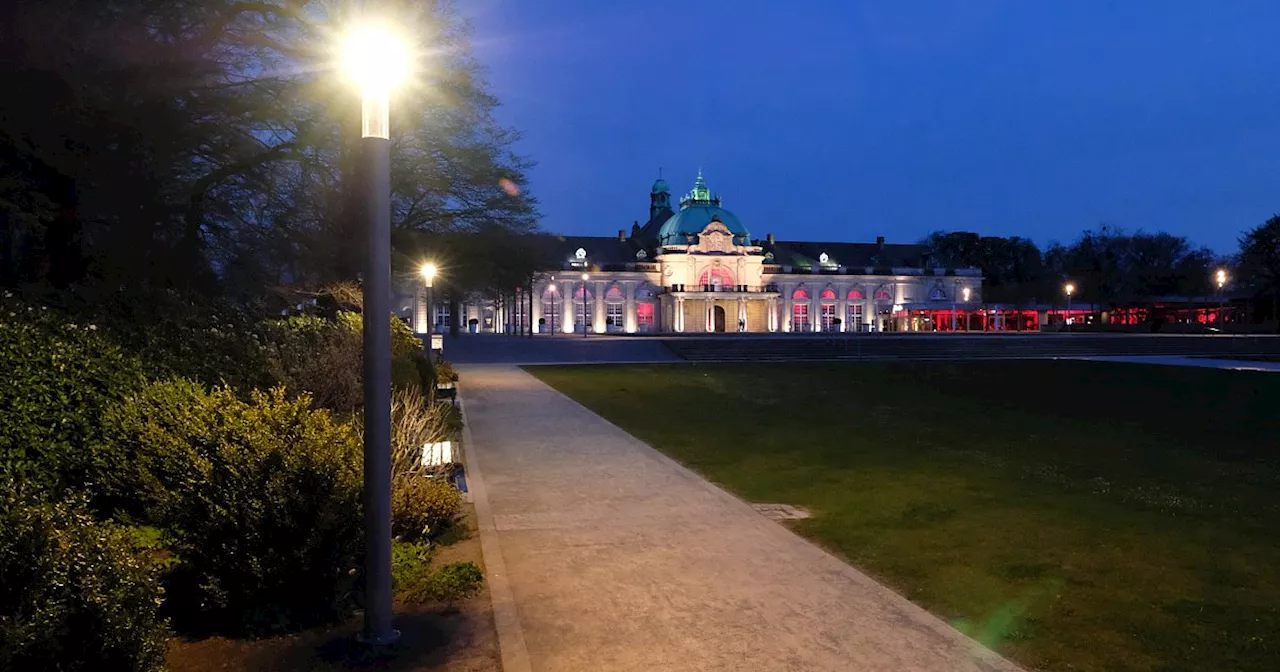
[700, 269]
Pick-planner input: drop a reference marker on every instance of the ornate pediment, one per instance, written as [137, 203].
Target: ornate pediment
[716, 237]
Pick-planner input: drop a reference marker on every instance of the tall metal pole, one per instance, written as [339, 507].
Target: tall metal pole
[376, 147]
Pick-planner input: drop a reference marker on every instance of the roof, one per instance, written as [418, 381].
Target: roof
[850, 255]
[692, 219]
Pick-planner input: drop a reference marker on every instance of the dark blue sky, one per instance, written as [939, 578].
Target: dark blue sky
[843, 120]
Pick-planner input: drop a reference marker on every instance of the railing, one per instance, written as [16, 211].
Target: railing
[724, 289]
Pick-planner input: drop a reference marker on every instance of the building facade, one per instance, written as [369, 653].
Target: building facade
[696, 268]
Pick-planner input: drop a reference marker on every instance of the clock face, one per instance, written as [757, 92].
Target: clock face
[668, 271]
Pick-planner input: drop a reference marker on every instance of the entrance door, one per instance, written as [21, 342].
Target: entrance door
[717, 316]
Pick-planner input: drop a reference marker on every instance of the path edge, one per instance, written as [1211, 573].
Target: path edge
[506, 619]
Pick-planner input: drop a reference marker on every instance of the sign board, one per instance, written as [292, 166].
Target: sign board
[437, 342]
[437, 454]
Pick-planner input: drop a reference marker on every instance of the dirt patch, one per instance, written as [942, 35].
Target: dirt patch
[459, 638]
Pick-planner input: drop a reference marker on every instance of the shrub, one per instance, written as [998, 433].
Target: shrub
[324, 357]
[445, 372]
[75, 594]
[415, 580]
[260, 501]
[423, 502]
[422, 507]
[58, 379]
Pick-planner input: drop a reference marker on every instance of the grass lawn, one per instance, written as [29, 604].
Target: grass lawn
[1071, 515]
[1249, 358]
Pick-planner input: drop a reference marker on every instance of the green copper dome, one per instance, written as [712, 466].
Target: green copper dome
[698, 209]
[660, 187]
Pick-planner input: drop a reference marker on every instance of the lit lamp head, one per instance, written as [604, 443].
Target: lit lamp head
[551, 288]
[377, 60]
[1221, 277]
[428, 273]
[585, 277]
[965, 293]
[1069, 288]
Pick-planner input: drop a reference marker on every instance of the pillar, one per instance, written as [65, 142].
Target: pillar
[629, 318]
[568, 311]
[598, 309]
[787, 311]
[678, 318]
[771, 320]
[535, 311]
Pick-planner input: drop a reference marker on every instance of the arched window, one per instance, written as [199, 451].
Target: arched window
[855, 294]
[827, 317]
[715, 277]
[800, 310]
[828, 294]
[937, 293]
[882, 294]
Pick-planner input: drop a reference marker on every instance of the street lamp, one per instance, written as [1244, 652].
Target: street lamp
[585, 318]
[376, 60]
[965, 292]
[1220, 278]
[428, 276]
[1066, 320]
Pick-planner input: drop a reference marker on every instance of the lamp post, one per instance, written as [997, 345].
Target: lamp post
[1066, 320]
[966, 308]
[1220, 278]
[551, 289]
[428, 276]
[953, 305]
[376, 60]
[585, 317]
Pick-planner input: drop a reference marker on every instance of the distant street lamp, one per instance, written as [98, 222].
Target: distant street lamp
[1066, 320]
[376, 60]
[966, 308]
[1220, 278]
[585, 318]
[953, 305]
[428, 276]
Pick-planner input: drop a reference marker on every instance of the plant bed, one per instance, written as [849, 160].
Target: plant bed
[434, 636]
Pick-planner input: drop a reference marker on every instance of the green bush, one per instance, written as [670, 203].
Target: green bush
[445, 372]
[260, 501]
[325, 357]
[58, 379]
[422, 507]
[75, 594]
[415, 580]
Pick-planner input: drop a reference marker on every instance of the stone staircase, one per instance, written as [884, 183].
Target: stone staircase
[804, 347]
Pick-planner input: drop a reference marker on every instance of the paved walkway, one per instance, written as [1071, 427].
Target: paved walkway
[604, 555]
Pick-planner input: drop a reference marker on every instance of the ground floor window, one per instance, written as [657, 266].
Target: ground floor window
[855, 317]
[613, 316]
[551, 315]
[441, 318]
[800, 317]
[828, 317]
[582, 312]
[644, 317]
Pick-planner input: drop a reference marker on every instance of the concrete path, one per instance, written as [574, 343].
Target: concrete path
[604, 555]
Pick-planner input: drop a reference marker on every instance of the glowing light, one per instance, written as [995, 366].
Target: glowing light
[375, 58]
[585, 277]
[1069, 288]
[965, 292]
[428, 272]
[511, 188]
[1221, 277]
